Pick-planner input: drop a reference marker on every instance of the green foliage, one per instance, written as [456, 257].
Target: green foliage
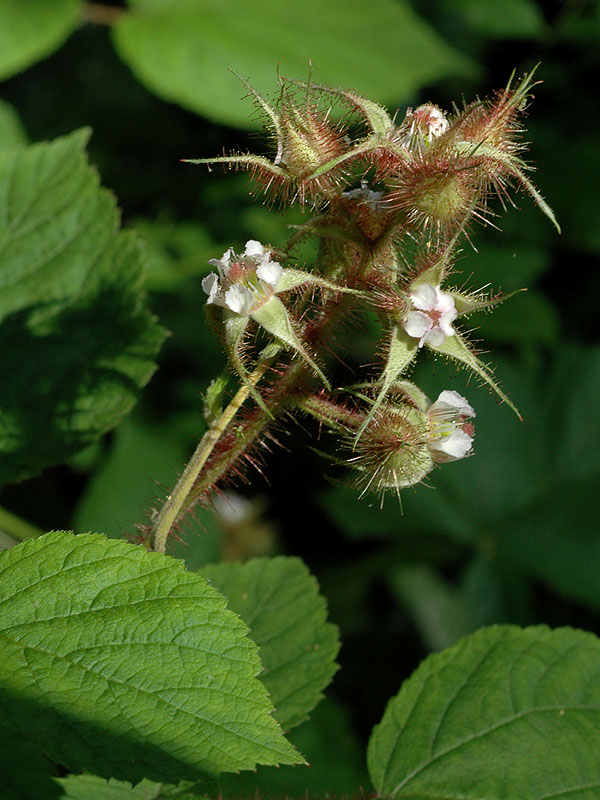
[509, 19]
[279, 601]
[181, 49]
[85, 787]
[77, 339]
[504, 713]
[11, 130]
[118, 662]
[29, 31]
[509, 535]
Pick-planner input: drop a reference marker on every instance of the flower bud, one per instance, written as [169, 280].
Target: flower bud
[403, 442]
[393, 451]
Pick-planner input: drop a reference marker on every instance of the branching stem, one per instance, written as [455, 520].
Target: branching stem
[177, 501]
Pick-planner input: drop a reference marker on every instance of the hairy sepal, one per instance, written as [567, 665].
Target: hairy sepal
[457, 349]
[274, 318]
[234, 327]
[478, 301]
[292, 278]
[402, 351]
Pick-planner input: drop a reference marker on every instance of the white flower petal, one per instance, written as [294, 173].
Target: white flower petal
[223, 263]
[436, 336]
[424, 297]
[210, 284]
[254, 248]
[456, 445]
[417, 324]
[444, 302]
[239, 299]
[270, 272]
[451, 401]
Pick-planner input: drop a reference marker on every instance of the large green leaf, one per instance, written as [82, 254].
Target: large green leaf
[76, 337]
[117, 661]
[31, 30]
[279, 601]
[505, 713]
[182, 49]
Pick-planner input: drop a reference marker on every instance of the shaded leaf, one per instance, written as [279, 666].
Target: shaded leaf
[182, 49]
[86, 787]
[503, 19]
[523, 704]
[32, 30]
[118, 662]
[77, 340]
[279, 601]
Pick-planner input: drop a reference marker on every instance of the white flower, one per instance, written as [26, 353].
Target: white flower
[428, 119]
[450, 435]
[432, 322]
[244, 282]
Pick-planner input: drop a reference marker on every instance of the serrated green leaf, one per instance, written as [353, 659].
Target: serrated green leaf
[12, 133]
[182, 49]
[118, 662]
[32, 30]
[279, 601]
[90, 787]
[77, 340]
[504, 713]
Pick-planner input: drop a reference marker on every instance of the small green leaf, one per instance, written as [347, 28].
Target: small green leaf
[32, 30]
[118, 662]
[279, 601]
[77, 339]
[183, 49]
[505, 713]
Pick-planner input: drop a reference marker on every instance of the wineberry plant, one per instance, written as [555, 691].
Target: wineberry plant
[126, 675]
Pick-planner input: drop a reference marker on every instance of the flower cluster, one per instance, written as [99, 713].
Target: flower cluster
[393, 205]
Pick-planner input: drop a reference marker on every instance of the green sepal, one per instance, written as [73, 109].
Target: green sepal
[273, 317]
[477, 301]
[292, 278]
[376, 116]
[402, 350]
[234, 328]
[435, 274]
[516, 166]
[456, 348]
[415, 395]
[213, 399]
[241, 159]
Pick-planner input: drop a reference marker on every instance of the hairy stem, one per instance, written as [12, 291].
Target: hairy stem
[178, 500]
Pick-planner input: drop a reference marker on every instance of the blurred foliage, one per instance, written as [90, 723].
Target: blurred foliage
[510, 535]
